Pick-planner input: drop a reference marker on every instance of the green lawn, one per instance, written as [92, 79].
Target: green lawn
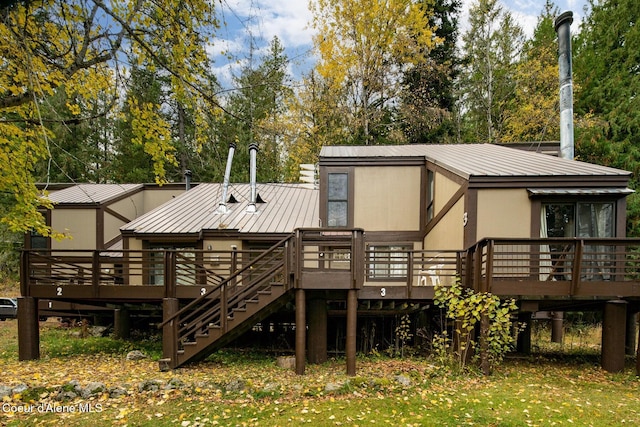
[248, 389]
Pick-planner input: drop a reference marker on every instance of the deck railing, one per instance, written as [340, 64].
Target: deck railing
[520, 267]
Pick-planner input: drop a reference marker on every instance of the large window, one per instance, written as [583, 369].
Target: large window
[388, 262]
[337, 199]
[581, 219]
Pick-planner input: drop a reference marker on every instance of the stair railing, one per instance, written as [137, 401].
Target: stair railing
[215, 303]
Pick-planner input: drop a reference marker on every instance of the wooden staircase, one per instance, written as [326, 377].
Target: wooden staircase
[235, 305]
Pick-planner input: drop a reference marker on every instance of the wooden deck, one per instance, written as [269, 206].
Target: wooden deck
[526, 269]
[209, 298]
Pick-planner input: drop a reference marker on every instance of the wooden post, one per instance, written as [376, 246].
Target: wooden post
[317, 330]
[121, 323]
[28, 329]
[352, 329]
[613, 335]
[301, 331]
[170, 274]
[170, 306]
[95, 274]
[557, 327]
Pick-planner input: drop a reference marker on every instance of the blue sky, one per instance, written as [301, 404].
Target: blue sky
[261, 20]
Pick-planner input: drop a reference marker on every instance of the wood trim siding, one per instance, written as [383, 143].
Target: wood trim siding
[445, 209]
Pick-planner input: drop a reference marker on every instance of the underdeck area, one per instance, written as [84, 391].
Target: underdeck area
[313, 277]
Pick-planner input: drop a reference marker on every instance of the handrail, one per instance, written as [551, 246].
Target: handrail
[224, 282]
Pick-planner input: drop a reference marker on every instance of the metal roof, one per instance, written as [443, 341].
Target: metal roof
[286, 207]
[91, 193]
[476, 160]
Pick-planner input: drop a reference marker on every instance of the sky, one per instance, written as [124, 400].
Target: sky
[256, 22]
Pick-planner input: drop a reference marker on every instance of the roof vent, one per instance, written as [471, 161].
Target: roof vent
[222, 207]
[563, 28]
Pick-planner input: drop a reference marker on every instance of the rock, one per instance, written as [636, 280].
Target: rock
[20, 388]
[174, 383]
[5, 390]
[64, 396]
[331, 387]
[92, 389]
[136, 355]
[236, 385]
[116, 392]
[286, 362]
[403, 380]
[149, 385]
[97, 331]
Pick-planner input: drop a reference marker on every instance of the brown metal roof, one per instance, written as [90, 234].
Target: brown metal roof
[476, 160]
[91, 193]
[287, 207]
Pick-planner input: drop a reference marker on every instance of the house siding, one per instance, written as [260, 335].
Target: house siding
[387, 198]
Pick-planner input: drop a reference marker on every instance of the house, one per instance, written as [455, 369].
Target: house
[385, 225]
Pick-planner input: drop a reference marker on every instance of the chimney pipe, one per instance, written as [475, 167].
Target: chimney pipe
[253, 151]
[563, 28]
[222, 207]
[187, 179]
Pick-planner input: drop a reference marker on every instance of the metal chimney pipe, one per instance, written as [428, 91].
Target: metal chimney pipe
[563, 28]
[253, 152]
[187, 179]
[222, 207]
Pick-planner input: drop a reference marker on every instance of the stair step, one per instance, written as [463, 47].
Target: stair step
[201, 335]
[189, 344]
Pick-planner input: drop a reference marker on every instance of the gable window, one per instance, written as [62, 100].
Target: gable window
[337, 199]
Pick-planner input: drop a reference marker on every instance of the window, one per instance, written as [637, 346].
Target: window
[581, 219]
[388, 262]
[337, 199]
[430, 194]
[38, 241]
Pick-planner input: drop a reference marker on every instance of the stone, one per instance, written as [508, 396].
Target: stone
[149, 385]
[331, 387]
[236, 385]
[92, 389]
[136, 355]
[403, 380]
[286, 362]
[5, 390]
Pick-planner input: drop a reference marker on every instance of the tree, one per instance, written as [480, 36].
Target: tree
[491, 47]
[607, 73]
[428, 98]
[534, 116]
[78, 46]
[364, 47]
[255, 106]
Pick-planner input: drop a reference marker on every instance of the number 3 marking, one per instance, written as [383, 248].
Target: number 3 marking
[383, 292]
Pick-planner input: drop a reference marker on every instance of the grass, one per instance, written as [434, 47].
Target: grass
[248, 389]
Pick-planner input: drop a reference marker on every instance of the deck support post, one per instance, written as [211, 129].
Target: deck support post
[524, 335]
[632, 325]
[317, 330]
[28, 329]
[352, 330]
[170, 306]
[301, 331]
[613, 335]
[557, 327]
[121, 323]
